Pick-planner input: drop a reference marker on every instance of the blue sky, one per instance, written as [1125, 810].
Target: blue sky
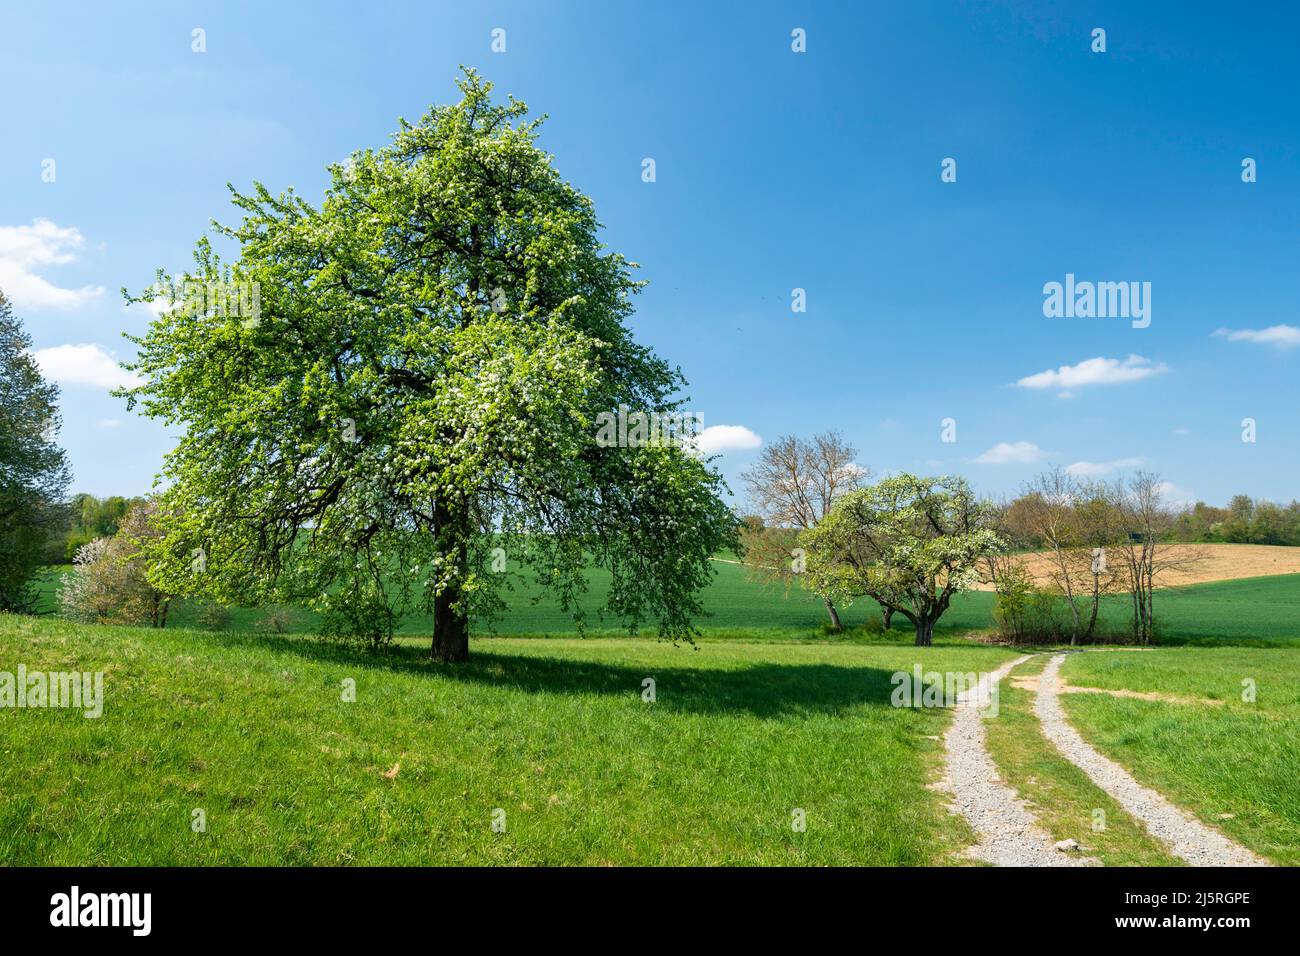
[775, 170]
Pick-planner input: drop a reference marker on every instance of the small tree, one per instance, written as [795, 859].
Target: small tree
[1143, 520]
[110, 584]
[909, 543]
[1073, 520]
[793, 485]
[89, 592]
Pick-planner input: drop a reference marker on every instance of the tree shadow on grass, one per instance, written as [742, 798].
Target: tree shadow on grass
[761, 689]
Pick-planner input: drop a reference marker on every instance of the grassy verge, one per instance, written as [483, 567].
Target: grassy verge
[1235, 765]
[253, 732]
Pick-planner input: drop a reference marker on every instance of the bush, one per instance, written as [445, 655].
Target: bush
[359, 615]
[90, 592]
[1014, 588]
[280, 620]
[212, 616]
[1028, 614]
[109, 583]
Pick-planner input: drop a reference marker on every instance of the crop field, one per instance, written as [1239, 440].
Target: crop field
[1200, 563]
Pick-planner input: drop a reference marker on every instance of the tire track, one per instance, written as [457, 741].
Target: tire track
[1184, 835]
[1007, 832]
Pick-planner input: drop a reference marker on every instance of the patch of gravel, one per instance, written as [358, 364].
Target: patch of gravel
[1184, 835]
[1007, 831]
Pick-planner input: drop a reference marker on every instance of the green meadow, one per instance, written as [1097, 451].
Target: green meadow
[748, 754]
[767, 742]
[1261, 611]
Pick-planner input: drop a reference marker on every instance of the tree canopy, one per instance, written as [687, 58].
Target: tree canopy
[33, 471]
[408, 415]
[909, 543]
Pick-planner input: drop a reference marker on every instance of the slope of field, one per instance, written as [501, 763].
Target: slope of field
[1204, 563]
[551, 738]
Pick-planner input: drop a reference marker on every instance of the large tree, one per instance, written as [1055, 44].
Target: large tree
[414, 408]
[792, 486]
[33, 471]
[909, 543]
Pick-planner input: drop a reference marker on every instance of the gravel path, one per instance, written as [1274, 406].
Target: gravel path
[1008, 834]
[1185, 836]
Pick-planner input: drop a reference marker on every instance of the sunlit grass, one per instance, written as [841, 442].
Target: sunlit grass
[253, 732]
[1234, 764]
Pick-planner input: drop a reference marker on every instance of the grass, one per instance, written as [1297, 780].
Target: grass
[766, 715]
[253, 731]
[1234, 764]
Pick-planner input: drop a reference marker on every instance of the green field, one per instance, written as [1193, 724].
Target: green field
[253, 731]
[748, 726]
[1252, 611]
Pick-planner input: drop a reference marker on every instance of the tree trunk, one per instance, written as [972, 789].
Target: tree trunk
[451, 624]
[450, 629]
[1096, 604]
[924, 632]
[887, 613]
[835, 615]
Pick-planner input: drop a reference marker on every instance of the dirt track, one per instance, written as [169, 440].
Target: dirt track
[1219, 562]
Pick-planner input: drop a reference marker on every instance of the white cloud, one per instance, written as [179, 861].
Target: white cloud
[83, 365]
[722, 438]
[1281, 336]
[155, 308]
[1176, 496]
[1184, 430]
[1092, 469]
[26, 249]
[109, 423]
[1019, 452]
[1094, 371]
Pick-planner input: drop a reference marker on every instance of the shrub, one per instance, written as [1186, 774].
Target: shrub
[361, 614]
[280, 620]
[212, 616]
[89, 592]
[109, 583]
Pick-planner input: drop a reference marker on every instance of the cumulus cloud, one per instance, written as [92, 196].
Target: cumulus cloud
[1176, 496]
[27, 250]
[83, 365]
[1279, 336]
[717, 439]
[1018, 452]
[1095, 371]
[1092, 469]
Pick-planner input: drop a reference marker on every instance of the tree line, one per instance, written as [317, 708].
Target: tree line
[912, 543]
